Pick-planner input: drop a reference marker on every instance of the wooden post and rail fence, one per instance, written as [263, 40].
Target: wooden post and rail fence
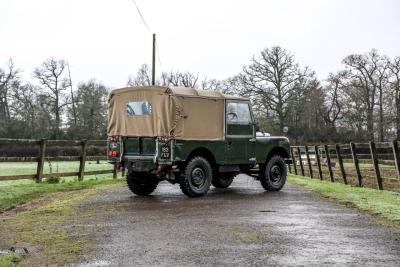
[361, 164]
[354, 163]
[43, 147]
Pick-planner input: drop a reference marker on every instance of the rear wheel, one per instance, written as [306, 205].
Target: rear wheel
[141, 183]
[196, 180]
[273, 178]
[222, 180]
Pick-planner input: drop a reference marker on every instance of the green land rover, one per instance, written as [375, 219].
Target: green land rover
[191, 137]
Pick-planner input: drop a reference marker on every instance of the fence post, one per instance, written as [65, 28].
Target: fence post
[376, 164]
[115, 172]
[309, 163]
[42, 155]
[82, 161]
[293, 160]
[289, 167]
[123, 171]
[300, 160]
[328, 161]
[318, 162]
[396, 155]
[339, 157]
[355, 160]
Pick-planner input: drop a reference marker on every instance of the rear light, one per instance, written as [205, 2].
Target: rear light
[113, 154]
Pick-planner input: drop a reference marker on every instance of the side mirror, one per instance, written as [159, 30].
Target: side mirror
[285, 129]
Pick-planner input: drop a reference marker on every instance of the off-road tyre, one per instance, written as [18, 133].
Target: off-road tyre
[273, 177]
[196, 179]
[141, 183]
[222, 180]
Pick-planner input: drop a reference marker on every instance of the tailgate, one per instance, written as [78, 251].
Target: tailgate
[140, 146]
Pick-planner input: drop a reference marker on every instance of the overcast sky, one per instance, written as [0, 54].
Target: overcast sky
[106, 39]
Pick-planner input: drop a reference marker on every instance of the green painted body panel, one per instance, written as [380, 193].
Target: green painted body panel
[139, 146]
[264, 146]
[238, 146]
[239, 129]
[183, 148]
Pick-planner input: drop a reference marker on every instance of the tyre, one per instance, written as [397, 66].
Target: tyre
[223, 180]
[273, 177]
[196, 180]
[140, 183]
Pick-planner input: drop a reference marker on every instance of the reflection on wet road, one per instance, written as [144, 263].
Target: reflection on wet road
[242, 225]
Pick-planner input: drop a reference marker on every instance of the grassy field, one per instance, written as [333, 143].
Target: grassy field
[385, 204]
[16, 192]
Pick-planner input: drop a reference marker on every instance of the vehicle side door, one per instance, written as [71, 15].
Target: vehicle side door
[239, 133]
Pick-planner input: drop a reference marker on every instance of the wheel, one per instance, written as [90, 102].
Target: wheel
[273, 178]
[223, 180]
[141, 183]
[196, 180]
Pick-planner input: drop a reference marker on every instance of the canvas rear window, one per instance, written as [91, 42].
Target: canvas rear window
[138, 108]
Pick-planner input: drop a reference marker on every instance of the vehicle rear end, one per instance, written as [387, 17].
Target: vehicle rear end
[140, 120]
[139, 153]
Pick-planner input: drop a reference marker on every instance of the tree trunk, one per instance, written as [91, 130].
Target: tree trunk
[381, 131]
[370, 124]
[398, 115]
[57, 111]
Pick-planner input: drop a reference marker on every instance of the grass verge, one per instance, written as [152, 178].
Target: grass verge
[385, 204]
[55, 233]
[10, 260]
[16, 194]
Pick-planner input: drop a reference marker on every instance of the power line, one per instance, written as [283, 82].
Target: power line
[140, 13]
[148, 28]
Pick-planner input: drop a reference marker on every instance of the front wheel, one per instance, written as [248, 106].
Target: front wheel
[141, 183]
[273, 178]
[196, 180]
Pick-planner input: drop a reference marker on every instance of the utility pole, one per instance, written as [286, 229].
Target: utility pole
[153, 69]
[72, 95]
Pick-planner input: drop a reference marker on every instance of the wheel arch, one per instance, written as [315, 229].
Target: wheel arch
[280, 151]
[205, 153]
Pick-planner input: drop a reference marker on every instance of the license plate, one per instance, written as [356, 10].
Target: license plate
[165, 152]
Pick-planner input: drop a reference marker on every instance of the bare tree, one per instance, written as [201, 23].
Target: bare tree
[211, 84]
[274, 77]
[53, 83]
[142, 78]
[394, 70]
[8, 79]
[334, 102]
[91, 109]
[25, 110]
[185, 79]
[364, 73]
[382, 85]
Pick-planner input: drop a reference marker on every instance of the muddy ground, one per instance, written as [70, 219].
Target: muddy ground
[242, 225]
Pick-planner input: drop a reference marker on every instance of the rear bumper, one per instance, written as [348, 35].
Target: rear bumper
[141, 166]
[145, 163]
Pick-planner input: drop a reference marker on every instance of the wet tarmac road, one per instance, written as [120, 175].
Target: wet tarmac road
[242, 225]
